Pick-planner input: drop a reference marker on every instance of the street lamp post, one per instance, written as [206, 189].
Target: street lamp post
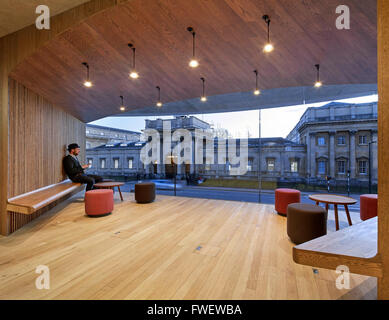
[370, 178]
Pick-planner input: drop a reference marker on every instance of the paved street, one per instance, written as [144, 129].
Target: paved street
[245, 195]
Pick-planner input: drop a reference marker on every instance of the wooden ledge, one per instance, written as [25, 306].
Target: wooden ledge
[354, 247]
[30, 202]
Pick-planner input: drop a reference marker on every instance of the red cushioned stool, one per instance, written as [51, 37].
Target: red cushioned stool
[285, 197]
[368, 205]
[99, 202]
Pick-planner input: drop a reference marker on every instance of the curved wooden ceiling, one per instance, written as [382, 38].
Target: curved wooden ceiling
[231, 35]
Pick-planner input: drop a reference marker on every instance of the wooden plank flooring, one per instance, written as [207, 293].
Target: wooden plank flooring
[174, 248]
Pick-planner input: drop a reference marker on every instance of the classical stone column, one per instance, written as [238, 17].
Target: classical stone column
[352, 154]
[374, 155]
[308, 162]
[312, 154]
[332, 153]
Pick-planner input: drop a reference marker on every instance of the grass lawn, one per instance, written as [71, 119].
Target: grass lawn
[244, 184]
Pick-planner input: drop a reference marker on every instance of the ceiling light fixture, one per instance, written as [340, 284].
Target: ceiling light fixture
[257, 92]
[133, 74]
[203, 97]
[318, 82]
[87, 82]
[268, 46]
[194, 63]
[159, 102]
[122, 107]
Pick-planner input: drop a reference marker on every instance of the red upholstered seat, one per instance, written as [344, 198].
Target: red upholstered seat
[285, 197]
[98, 202]
[368, 205]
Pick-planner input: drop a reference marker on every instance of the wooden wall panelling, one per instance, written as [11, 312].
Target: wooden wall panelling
[16, 47]
[383, 142]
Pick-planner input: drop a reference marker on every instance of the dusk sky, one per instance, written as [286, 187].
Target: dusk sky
[276, 122]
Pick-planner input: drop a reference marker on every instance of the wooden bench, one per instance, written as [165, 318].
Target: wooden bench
[355, 247]
[30, 202]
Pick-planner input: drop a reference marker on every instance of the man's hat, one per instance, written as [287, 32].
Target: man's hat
[73, 146]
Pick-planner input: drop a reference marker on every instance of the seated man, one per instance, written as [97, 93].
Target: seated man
[75, 171]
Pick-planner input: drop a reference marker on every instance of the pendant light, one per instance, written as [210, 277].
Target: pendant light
[194, 63]
[133, 74]
[87, 82]
[122, 107]
[203, 97]
[159, 102]
[257, 92]
[268, 46]
[318, 82]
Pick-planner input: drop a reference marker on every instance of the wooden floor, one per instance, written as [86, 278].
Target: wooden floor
[175, 248]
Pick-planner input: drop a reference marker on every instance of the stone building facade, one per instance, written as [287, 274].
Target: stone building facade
[332, 140]
[98, 135]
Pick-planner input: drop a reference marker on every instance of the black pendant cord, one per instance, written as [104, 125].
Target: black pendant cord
[87, 70]
[318, 72]
[268, 31]
[159, 94]
[194, 44]
[256, 79]
[122, 99]
[131, 46]
[203, 80]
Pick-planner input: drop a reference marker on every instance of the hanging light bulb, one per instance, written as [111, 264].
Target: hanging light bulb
[268, 46]
[133, 74]
[122, 107]
[193, 63]
[87, 82]
[318, 82]
[203, 97]
[159, 102]
[257, 92]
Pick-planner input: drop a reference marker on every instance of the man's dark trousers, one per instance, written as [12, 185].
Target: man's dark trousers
[89, 179]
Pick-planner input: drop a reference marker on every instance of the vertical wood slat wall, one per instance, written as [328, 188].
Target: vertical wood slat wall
[38, 135]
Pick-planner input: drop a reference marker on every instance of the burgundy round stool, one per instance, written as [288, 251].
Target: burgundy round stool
[368, 203]
[285, 197]
[99, 202]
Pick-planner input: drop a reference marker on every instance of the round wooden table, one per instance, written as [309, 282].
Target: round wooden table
[335, 200]
[110, 185]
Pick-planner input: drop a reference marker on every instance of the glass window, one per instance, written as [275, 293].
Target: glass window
[294, 166]
[250, 165]
[341, 167]
[130, 163]
[362, 164]
[362, 139]
[321, 167]
[341, 140]
[116, 163]
[90, 162]
[102, 163]
[271, 165]
[321, 141]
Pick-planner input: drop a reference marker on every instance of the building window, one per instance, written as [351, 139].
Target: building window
[271, 165]
[90, 162]
[362, 140]
[341, 140]
[102, 163]
[321, 141]
[116, 163]
[362, 165]
[250, 165]
[321, 167]
[294, 166]
[88, 145]
[130, 163]
[341, 167]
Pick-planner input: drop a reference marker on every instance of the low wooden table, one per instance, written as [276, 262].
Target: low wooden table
[335, 200]
[110, 185]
